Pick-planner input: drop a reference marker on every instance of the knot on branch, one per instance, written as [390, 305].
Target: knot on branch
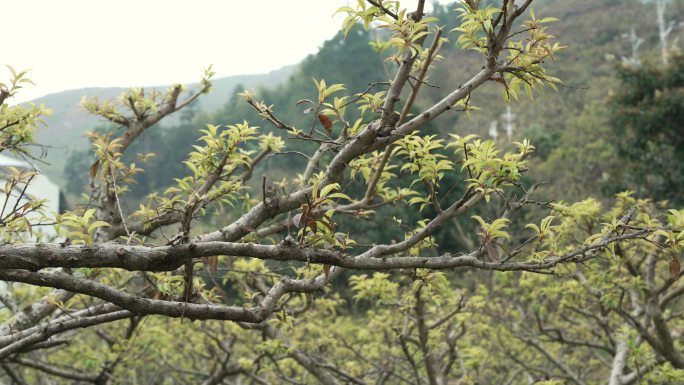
[270, 193]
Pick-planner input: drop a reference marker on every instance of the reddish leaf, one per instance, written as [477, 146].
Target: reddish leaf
[326, 122]
[93, 169]
[311, 223]
[675, 267]
[297, 220]
[302, 218]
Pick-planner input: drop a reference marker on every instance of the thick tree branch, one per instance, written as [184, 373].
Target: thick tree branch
[52, 329]
[32, 314]
[16, 379]
[429, 356]
[59, 372]
[139, 305]
[169, 106]
[88, 312]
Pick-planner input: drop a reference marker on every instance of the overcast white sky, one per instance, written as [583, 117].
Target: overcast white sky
[87, 43]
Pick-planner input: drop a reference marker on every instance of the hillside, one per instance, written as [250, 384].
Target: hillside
[568, 127]
[65, 128]
[593, 32]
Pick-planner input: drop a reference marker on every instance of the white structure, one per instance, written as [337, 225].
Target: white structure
[509, 118]
[40, 187]
[636, 42]
[493, 132]
[664, 28]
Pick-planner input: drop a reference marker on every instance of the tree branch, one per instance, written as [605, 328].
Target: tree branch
[49, 369]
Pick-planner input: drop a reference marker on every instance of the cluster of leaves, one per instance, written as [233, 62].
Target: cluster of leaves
[366, 13]
[108, 167]
[143, 105]
[525, 60]
[315, 218]
[81, 228]
[421, 156]
[476, 27]
[18, 123]
[523, 67]
[20, 210]
[487, 170]
[222, 153]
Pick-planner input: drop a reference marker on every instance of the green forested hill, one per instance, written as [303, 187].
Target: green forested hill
[569, 127]
[593, 32]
